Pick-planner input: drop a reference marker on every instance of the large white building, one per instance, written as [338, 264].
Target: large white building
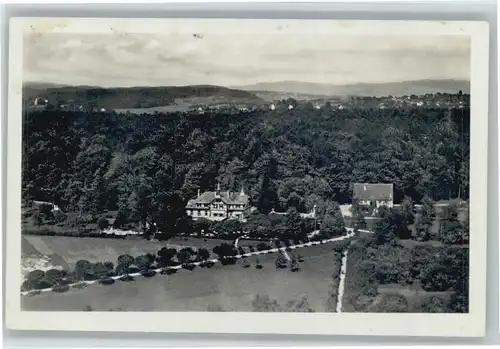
[218, 205]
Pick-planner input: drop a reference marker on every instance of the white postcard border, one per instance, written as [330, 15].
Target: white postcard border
[449, 325]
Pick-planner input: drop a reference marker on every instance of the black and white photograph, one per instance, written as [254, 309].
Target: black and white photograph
[218, 167]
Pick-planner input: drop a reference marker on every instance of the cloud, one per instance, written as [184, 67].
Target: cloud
[223, 59]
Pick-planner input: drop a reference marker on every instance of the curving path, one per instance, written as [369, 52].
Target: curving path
[349, 235]
[343, 271]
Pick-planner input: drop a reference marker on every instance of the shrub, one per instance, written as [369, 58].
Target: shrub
[35, 275]
[207, 264]
[246, 263]
[228, 261]
[60, 288]
[185, 255]
[79, 285]
[258, 265]
[148, 273]
[281, 262]
[99, 269]
[125, 259]
[127, 278]
[203, 254]
[263, 246]
[133, 269]
[188, 266]
[143, 261]
[107, 281]
[109, 265]
[59, 216]
[103, 223]
[82, 267]
[34, 293]
[170, 271]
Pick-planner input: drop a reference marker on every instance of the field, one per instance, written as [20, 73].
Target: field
[221, 288]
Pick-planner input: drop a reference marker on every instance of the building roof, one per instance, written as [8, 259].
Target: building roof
[229, 198]
[371, 191]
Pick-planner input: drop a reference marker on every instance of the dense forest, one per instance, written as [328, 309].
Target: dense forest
[146, 167]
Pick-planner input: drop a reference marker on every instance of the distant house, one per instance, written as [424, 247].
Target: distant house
[272, 107]
[368, 194]
[290, 107]
[40, 101]
[218, 205]
[54, 207]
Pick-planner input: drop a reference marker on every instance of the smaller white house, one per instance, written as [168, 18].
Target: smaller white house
[272, 107]
[290, 107]
[377, 194]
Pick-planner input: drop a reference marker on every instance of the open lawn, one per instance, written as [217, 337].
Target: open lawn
[221, 288]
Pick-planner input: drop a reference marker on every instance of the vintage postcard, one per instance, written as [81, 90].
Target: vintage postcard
[247, 176]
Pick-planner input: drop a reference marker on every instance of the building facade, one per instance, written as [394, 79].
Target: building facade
[219, 205]
[373, 194]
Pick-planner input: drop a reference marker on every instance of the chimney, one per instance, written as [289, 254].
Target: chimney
[198, 193]
[242, 192]
[217, 192]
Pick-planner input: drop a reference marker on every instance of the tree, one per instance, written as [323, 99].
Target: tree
[452, 231]
[358, 218]
[425, 219]
[384, 229]
[103, 223]
[225, 250]
[185, 255]
[82, 268]
[125, 259]
[203, 254]
[165, 256]
[292, 225]
[281, 262]
[407, 207]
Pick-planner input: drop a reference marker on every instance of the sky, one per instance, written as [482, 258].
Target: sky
[119, 60]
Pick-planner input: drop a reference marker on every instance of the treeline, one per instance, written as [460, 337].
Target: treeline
[146, 167]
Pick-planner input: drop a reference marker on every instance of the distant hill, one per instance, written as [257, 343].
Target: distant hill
[417, 87]
[138, 97]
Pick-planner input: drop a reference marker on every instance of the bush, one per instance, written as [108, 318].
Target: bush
[59, 216]
[133, 269]
[228, 261]
[82, 267]
[103, 223]
[107, 281]
[188, 266]
[207, 264]
[281, 262]
[148, 273]
[127, 278]
[263, 246]
[60, 288]
[143, 261]
[246, 263]
[35, 275]
[79, 285]
[125, 259]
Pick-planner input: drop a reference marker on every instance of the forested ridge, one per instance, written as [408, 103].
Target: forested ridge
[148, 166]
